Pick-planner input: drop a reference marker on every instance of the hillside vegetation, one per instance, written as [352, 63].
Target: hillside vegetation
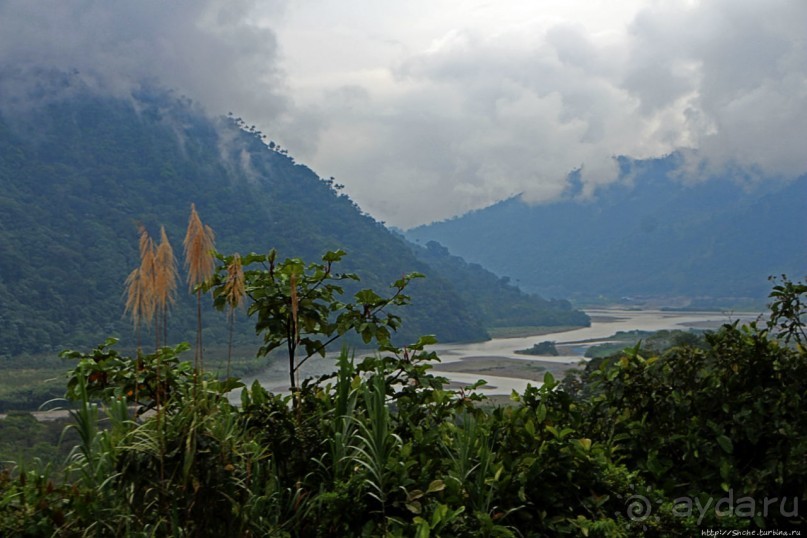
[383, 447]
[501, 303]
[80, 174]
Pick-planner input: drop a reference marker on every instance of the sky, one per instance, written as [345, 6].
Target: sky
[426, 109]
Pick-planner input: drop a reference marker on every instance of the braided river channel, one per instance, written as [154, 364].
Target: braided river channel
[504, 370]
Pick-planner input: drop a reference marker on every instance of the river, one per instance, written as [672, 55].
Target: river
[605, 322]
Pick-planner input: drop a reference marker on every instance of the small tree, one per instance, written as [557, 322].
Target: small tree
[299, 306]
[788, 310]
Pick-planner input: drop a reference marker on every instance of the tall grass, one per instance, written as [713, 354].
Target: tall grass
[93, 462]
[140, 303]
[234, 293]
[342, 428]
[151, 290]
[377, 446]
[473, 467]
[165, 283]
[200, 263]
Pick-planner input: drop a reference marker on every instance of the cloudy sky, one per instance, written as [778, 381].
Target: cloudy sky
[428, 108]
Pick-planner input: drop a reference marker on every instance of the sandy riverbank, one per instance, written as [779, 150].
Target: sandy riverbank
[530, 369]
[42, 416]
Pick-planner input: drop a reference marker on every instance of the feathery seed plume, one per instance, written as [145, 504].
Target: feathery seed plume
[201, 264]
[199, 247]
[234, 285]
[140, 300]
[165, 273]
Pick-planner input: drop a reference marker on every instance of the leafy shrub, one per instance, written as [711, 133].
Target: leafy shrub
[383, 447]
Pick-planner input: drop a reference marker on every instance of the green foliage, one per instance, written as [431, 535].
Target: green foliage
[382, 447]
[31, 442]
[788, 310]
[499, 303]
[299, 305]
[542, 348]
[33, 504]
[79, 174]
[652, 342]
[731, 412]
[147, 379]
[724, 411]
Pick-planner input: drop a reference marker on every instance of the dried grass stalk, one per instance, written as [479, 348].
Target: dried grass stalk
[165, 279]
[199, 248]
[137, 298]
[234, 291]
[201, 264]
[140, 300]
[165, 274]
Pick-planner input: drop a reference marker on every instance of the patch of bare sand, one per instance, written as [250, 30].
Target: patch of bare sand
[43, 416]
[602, 318]
[530, 369]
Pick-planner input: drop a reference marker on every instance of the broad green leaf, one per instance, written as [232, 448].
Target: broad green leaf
[436, 485]
[725, 443]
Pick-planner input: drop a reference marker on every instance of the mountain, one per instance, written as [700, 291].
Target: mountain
[709, 243]
[501, 303]
[81, 171]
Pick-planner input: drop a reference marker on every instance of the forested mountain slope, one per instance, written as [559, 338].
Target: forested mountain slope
[80, 174]
[713, 241]
[502, 304]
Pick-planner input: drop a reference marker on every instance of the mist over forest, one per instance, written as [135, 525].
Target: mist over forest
[83, 172]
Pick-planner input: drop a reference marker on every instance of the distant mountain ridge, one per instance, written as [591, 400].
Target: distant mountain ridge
[714, 241]
[80, 173]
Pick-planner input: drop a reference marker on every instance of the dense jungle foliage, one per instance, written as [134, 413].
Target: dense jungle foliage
[80, 173]
[698, 437]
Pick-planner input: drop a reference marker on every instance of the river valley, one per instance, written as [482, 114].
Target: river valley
[504, 370]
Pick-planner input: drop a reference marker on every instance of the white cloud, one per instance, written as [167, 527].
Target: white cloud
[209, 50]
[484, 110]
[735, 73]
[428, 108]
